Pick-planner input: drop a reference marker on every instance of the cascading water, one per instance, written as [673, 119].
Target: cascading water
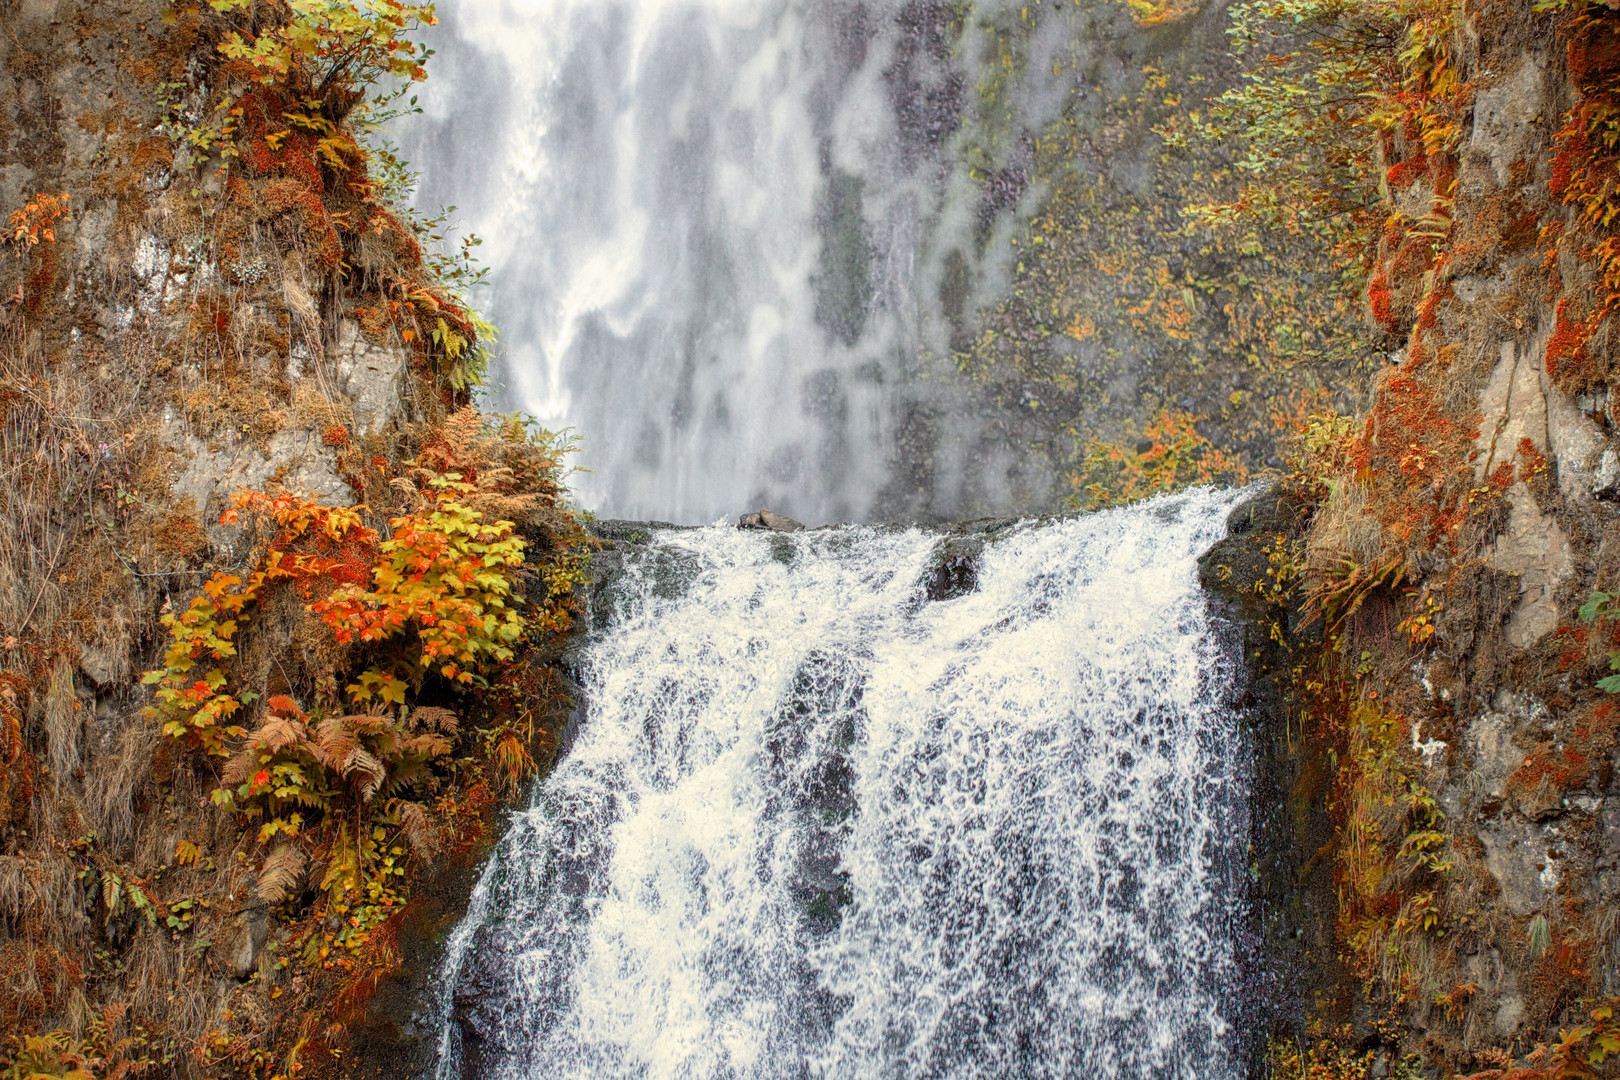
[817, 824]
[729, 238]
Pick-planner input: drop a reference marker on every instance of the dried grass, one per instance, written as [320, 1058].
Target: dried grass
[63, 716]
[44, 889]
[314, 407]
[114, 782]
[1345, 528]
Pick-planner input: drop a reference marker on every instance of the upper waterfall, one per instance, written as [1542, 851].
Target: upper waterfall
[727, 238]
[818, 824]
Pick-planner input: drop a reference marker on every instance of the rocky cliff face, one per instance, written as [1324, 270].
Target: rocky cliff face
[1414, 594]
[205, 296]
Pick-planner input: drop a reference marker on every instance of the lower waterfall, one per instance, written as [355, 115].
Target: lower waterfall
[880, 802]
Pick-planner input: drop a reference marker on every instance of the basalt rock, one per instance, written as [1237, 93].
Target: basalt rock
[1290, 950]
[955, 569]
[769, 520]
[1234, 568]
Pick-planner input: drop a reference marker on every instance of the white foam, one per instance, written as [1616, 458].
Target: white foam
[814, 825]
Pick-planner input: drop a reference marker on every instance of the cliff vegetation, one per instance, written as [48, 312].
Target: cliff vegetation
[1431, 574]
[279, 607]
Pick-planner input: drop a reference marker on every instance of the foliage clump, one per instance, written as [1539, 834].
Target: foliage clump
[1586, 179]
[353, 759]
[1172, 454]
[293, 132]
[223, 886]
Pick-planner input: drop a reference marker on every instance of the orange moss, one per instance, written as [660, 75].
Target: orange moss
[373, 321]
[1430, 305]
[1563, 167]
[1411, 258]
[1563, 769]
[1566, 348]
[1594, 54]
[1406, 173]
[1531, 460]
[1574, 652]
[1380, 300]
[179, 534]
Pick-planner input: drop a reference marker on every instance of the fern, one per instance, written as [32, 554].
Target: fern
[418, 829]
[283, 869]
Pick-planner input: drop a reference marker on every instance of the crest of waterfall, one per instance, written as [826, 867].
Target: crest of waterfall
[817, 824]
[726, 238]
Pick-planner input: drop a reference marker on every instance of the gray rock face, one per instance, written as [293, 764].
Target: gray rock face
[1505, 117]
[770, 520]
[369, 375]
[105, 666]
[1574, 441]
[1532, 547]
[237, 951]
[1606, 477]
[1509, 1014]
[1518, 855]
[1490, 737]
[1527, 833]
[294, 455]
[1519, 407]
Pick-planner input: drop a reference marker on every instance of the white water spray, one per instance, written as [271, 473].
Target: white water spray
[817, 825]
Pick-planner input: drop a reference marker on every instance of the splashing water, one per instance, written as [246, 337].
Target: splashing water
[817, 825]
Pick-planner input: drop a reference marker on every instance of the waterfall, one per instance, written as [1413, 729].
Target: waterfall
[729, 238]
[834, 811]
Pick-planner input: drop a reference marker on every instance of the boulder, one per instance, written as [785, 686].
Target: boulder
[954, 569]
[237, 950]
[768, 520]
[1606, 477]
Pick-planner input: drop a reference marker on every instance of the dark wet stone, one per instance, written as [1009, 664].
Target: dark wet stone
[955, 569]
[627, 532]
[769, 520]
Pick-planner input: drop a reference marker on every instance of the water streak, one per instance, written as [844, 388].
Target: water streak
[818, 825]
[733, 241]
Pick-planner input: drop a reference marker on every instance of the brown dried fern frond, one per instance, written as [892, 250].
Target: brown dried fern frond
[418, 827]
[279, 733]
[361, 762]
[243, 764]
[434, 718]
[283, 869]
[334, 741]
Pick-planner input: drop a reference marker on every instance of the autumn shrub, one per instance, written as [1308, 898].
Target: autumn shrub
[360, 684]
[1584, 1052]
[300, 146]
[98, 1052]
[1172, 454]
[1333, 1057]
